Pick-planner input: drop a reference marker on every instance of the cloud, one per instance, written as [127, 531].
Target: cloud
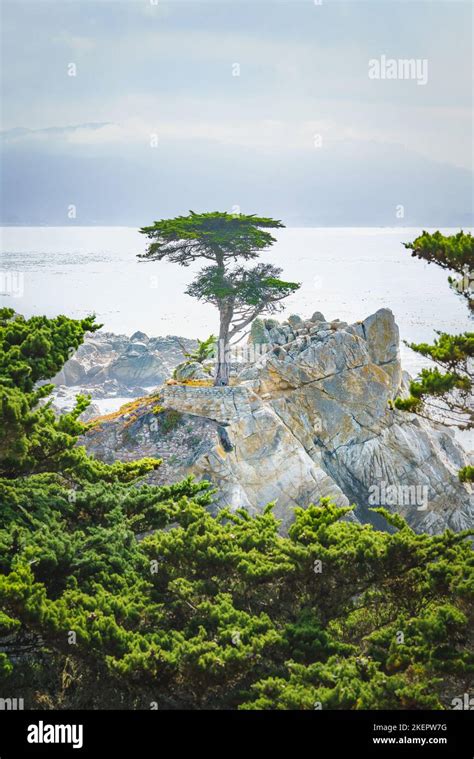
[303, 93]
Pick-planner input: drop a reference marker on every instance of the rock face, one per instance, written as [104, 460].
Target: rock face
[309, 418]
[130, 362]
[190, 370]
[108, 367]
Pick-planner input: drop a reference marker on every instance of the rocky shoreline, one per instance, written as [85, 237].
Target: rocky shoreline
[307, 416]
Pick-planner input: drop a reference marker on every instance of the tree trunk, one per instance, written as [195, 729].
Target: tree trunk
[222, 365]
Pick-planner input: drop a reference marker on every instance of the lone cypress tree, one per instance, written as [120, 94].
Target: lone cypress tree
[223, 239]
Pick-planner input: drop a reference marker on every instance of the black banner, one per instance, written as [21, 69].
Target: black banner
[136, 734]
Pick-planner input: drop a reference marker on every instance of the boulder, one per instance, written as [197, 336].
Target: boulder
[136, 349]
[190, 370]
[139, 337]
[295, 321]
[258, 333]
[73, 372]
[133, 362]
[137, 367]
[91, 412]
[97, 372]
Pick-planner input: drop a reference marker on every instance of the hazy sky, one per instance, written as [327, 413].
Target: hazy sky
[265, 105]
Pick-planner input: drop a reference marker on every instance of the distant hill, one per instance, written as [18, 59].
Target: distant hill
[352, 183]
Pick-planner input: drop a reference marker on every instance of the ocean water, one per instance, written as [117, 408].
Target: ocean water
[345, 273]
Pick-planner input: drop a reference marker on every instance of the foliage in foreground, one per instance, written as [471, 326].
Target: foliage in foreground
[223, 612]
[444, 392]
[33, 439]
[115, 593]
[452, 252]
